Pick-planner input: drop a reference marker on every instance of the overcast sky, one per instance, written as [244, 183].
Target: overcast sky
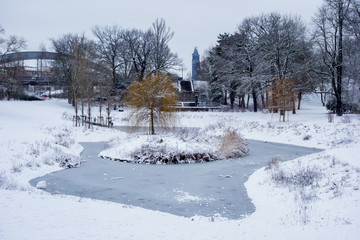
[196, 23]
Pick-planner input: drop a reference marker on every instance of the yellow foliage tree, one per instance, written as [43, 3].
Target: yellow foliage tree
[152, 101]
[283, 96]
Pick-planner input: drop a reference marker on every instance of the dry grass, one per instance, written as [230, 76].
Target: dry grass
[233, 145]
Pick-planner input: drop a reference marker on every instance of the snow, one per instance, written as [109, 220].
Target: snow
[329, 214]
[34, 133]
[41, 185]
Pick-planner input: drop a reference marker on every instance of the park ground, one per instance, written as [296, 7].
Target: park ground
[312, 197]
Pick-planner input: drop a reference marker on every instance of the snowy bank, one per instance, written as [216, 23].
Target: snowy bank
[295, 208]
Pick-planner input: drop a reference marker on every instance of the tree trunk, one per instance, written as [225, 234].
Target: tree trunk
[114, 77]
[254, 100]
[274, 103]
[76, 114]
[263, 100]
[339, 66]
[322, 96]
[152, 121]
[225, 97]
[232, 99]
[248, 100]
[89, 111]
[293, 104]
[242, 101]
[267, 99]
[299, 100]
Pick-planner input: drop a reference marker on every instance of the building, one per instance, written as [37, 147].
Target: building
[196, 65]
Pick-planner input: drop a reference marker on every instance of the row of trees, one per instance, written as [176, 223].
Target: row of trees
[110, 62]
[274, 59]
[123, 54]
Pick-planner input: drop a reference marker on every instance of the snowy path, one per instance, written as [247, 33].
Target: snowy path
[207, 189]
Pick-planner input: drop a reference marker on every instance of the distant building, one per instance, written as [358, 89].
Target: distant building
[196, 65]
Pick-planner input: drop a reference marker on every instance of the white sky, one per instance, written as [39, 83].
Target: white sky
[196, 23]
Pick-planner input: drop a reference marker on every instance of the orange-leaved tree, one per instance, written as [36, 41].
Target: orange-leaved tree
[152, 101]
[283, 96]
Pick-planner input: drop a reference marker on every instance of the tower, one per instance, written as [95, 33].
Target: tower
[195, 65]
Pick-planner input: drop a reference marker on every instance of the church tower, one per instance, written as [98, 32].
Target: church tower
[195, 65]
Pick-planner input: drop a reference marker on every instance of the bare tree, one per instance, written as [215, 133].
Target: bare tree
[352, 55]
[109, 46]
[141, 47]
[330, 20]
[8, 71]
[10, 44]
[162, 58]
[75, 67]
[149, 50]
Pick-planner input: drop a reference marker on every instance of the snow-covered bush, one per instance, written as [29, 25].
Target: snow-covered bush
[50, 151]
[274, 163]
[3, 179]
[62, 157]
[161, 154]
[306, 137]
[178, 146]
[6, 182]
[16, 166]
[67, 116]
[38, 147]
[63, 138]
[302, 177]
[233, 145]
[346, 119]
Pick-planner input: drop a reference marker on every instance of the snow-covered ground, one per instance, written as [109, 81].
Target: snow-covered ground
[313, 197]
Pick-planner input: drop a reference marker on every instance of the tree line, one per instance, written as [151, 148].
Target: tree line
[111, 62]
[274, 59]
[120, 55]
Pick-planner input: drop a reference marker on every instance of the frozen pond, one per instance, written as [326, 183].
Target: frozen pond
[189, 189]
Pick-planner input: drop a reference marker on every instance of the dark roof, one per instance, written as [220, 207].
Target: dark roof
[185, 86]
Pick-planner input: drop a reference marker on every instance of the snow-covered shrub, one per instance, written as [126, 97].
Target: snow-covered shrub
[3, 179]
[185, 134]
[63, 138]
[171, 148]
[302, 177]
[6, 182]
[61, 157]
[233, 145]
[346, 119]
[38, 147]
[305, 176]
[178, 146]
[274, 163]
[67, 116]
[161, 154]
[33, 149]
[306, 137]
[16, 166]
[50, 152]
